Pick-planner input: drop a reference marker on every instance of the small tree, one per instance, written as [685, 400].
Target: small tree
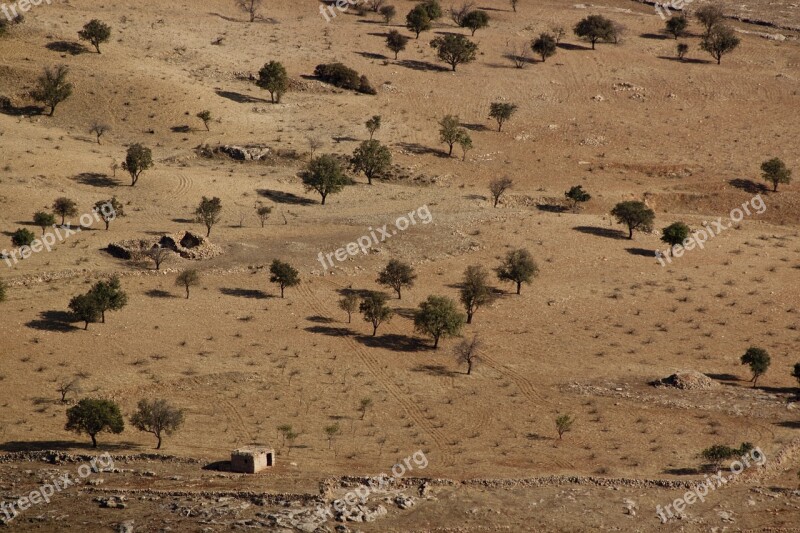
[498, 187]
[796, 372]
[558, 32]
[455, 49]
[418, 20]
[501, 112]
[758, 359]
[433, 8]
[157, 417]
[709, 16]
[263, 212]
[439, 317]
[475, 20]
[514, 5]
[636, 215]
[675, 234]
[576, 195]
[396, 42]
[109, 296]
[68, 385]
[96, 32]
[564, 425]
[371, 158]
[206, 117]
[284, 274]
[159, 254]
[331, 432]
[475, 291]
[518, 267]
[545, 45]
[324, 174]
[457, 14]
[720, 41]
[93, 416]
[373, 125]
[718, 453]
[98, 129]
[109, 210]
[314, 144]
[187, 279]
[65, 207]
[467, 351]
[373, 307]
[52, 87]
[138, 159]
[274, 79]
[349, 304]
[22, 237]
[449, 131]
[250, 7]
[285, 431]
[208, 212]
[676, 25]
[44, 220]
[775, 171]
[363, 405]
[595, 28]
[682, 49]
[465, 142]
[397, 275]
[85, 309]
[388, 13]
[3, 289]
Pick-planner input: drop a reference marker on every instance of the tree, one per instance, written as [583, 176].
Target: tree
[475, 291]
[158, 417]
[96, 32]
[465, 142]
[109, 210]
[93, 416]
[458, 14]
[98, 129]
[720, 41]
[397, 275]
[775, 171]
[85, 309]
[501, 112]
[718, 453]
[159, 254]
[188, 278]
[65, 207]
[418, 20]
[682, 50]
[138, 159]
[284, 274]
[314, 144]
[274, 79]
[595, 28]
[675, 234]
[709, 16]
[758, 359]
[208, 212]
[396, 42]
[250, 7]
[636, 215]
[324, 174]
[475, 20]
[518, 267]
[795, 370]
[558, 32]
[331, 432]
[349, 304]
[576, 195]
[371, 158]
[22, 237]
[363, 405]
[108, 296]
[3, 289]
[676, 25]
[564, 424]
[373, 307]
[433, 9]
[287, 433]
[44, 220]
[449, 131]
[52, 87]
[373, 125]
[454, 49]
[545, 45]
[206, 117]
[263, 212]
[467, 351]
[514, 5]
[388, 13]
[498, 187]
[375, 5]
[68, 385]
[438, 317]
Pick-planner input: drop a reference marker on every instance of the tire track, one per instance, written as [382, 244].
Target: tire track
[238, 423]
[522, 383]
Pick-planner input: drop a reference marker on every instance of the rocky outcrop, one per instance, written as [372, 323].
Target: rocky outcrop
[687, 380]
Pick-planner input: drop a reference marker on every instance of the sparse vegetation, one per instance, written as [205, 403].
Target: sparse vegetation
[158, 417]
[94, 416]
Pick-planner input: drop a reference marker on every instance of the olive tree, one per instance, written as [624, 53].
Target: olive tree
[397, 275]
[349, 304]
[65, 207]
[44, 219]
[52, 87]
[676, 25]
[576, 195]
[325, 175]
[418, 20]
[98, 129]
[96, 32]
[449, 131]
[273, 78]
[396, 42]
[250, 7]
[438, 317]
[454, 49]
[475, 291]
[109, 296]
[468, 351]
[475, 20]
[158, 417]
[720, 40]
[187, 279]
[208, 212]
[775, 171]
[85, 309]
[596, 28]
[283, 274]
[675, 234]
[634, 214]
[374, 309]
[498, 187]
[93, 416]
[108, 210]
[501, 112]
[517, 267]
[545, 46]
[263, 212]
[758, 360]
[371, 158]
[206, 117]
[22, 237]
[709, 16]
[138, 159]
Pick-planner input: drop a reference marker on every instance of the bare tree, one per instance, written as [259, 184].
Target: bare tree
[467, 352]
[99, 129]
[159, 254]
[250, 7]
[314, 144]
[458, 13]
[498, 187]
[68, 385]
[518, 54]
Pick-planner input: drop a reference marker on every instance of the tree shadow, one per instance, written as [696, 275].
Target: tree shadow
[344, 138]
[571, 46]
[28, 110]
[642, 252]
[422, 65]
[218, 466]
[724, 377]
[320, 319]
[281, 197]
[96, 179]
[184, 220]
[54, 321]
[475, 197]
[602, 232]
[791, 424]
[393, 342]
[551, 208]
[420, 149]
[159, 293]
[331, 331]
[436, 370]
[58, 445]
[66, 47]
[687, 60]
[370, 55]
[688, 471]
[749, 185]
[476, 127]
[656, 36]
[181, 129]
[519, 59]
[245, 293]
[405, 312]
[240, 98]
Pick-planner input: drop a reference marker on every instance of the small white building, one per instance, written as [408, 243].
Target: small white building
[252, 459]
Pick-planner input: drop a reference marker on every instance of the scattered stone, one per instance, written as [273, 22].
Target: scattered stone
[687, 380]
[125, 527]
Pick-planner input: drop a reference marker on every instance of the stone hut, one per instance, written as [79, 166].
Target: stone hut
[252, 459]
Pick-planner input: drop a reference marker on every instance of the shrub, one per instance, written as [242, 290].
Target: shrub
[343, 77]
[22, 237]
[52, 87]
[544, 45]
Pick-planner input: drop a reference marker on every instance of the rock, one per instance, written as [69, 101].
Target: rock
[244, 153]
[687, 380]
[125, 527]
[630, 507]
[404, 502]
